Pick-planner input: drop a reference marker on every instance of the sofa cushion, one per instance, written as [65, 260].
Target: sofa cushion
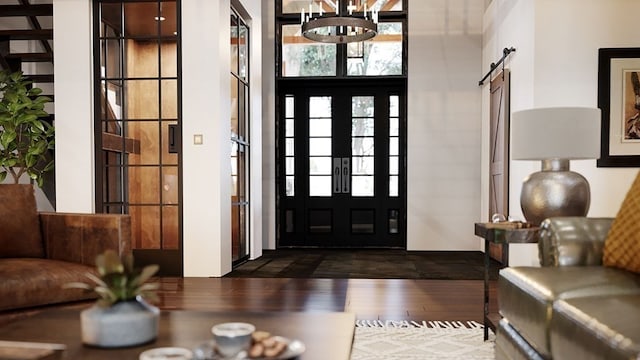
[601, 327]
[20, 235]
[526, 294]
[28, 282]
[622, 246]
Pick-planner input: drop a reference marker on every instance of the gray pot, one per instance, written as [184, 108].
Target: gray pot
[125, 323]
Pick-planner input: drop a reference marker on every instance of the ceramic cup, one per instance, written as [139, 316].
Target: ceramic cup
[232, 338]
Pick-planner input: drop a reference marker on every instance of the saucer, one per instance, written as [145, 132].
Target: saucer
[167, 353]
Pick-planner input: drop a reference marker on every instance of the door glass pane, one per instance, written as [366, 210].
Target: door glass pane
[362, 146]
[302, 57]
[289, 186]
[394, 106]
[289, 123]
[320, 127]
[320, 106]
[393, 146]
[393, 165]
[362, 106]
[320, 146]
[393, 185]
[394, 129]
[288, 147]
[320, 165]
[290, 166]
[362, 126]
[361, 165]
[362, 185]
[289, 107]
[319, 185]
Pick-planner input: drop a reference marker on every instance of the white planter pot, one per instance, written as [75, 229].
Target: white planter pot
[125, 323]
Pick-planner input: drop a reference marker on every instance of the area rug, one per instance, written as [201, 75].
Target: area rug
[427, 340]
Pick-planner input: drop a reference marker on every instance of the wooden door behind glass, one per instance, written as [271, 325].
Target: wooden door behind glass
[340, 168]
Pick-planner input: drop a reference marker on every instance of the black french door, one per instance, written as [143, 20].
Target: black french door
[341, 170]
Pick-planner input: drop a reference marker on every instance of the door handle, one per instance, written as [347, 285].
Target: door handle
[337, 175]
[346, 176]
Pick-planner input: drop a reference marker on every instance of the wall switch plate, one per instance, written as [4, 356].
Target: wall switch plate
[197, 139]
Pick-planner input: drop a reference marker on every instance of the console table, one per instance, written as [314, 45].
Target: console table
[500, 233]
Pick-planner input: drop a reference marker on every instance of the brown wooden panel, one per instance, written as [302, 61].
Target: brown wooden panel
[499, 152]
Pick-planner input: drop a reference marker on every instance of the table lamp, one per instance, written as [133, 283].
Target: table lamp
[555, 136]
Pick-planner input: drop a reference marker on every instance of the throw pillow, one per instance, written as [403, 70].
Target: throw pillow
[622, 246]
[19, 221]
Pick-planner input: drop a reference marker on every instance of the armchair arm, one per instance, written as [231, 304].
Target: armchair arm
[572, 241]
[80, 238]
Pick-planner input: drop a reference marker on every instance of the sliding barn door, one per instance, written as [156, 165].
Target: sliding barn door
[499, 153]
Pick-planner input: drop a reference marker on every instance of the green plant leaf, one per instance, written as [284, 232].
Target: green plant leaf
[3, 175]
[7, 137]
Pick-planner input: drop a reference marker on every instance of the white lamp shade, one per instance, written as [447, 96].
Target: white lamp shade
[555, 133]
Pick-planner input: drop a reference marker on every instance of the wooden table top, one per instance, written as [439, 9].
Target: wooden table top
[326, 335]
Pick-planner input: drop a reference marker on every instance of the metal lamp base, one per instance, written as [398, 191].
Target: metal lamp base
[554, 191]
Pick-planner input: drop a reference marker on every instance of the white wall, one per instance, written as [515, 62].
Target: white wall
[73, 89]
[556, 64]
[206, 110]
[269, 127]
[444, 124]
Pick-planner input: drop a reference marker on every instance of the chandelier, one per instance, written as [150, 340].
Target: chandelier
[338, 29]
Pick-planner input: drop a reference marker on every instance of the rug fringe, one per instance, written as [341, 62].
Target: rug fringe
[421, 324]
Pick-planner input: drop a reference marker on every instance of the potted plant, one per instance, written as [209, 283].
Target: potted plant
[25, 136]
[121, 316]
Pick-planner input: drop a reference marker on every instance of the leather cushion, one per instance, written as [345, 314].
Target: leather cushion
[20, 235]
[526, 294]
[600, 327]
[31, 282]
[622, 246]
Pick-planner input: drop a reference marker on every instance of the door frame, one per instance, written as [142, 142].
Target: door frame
[287, 86]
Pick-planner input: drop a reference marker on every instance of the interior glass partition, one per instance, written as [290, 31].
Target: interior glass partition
[137, 123]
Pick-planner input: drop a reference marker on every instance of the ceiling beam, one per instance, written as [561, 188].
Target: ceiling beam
[26, 10]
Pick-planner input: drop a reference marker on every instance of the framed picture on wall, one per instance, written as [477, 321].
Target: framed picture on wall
[619, 101]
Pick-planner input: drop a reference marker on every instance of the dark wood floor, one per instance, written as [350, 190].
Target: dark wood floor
[369, 299]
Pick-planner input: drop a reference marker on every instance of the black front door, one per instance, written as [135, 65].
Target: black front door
[341, 167]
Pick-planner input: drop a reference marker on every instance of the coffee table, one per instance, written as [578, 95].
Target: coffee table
[326, 335]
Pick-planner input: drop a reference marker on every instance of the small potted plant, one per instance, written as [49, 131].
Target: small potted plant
[25, 136]
[121, 316]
